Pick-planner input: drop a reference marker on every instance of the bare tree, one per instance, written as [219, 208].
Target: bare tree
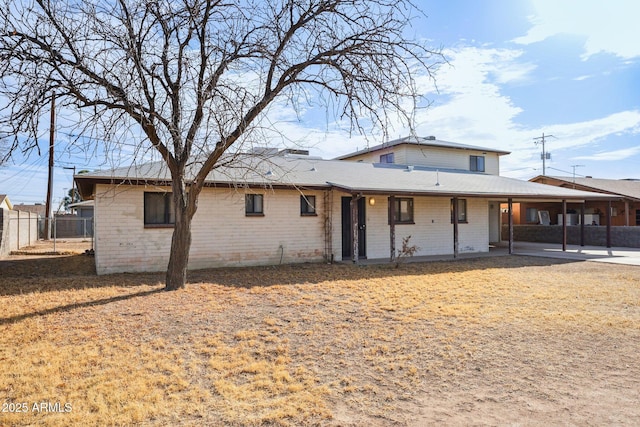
[196, 76]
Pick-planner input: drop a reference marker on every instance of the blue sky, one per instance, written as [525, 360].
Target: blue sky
[517, 69]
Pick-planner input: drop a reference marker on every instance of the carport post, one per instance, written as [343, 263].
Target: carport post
[609, 224]
[564, 225]
[582, 223]
[510, 216]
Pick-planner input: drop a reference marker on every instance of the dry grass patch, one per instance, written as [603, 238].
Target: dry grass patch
[322, 345]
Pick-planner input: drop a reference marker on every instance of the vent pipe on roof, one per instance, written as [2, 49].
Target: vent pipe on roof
[430, 138]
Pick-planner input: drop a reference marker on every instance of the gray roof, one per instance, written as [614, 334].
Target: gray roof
[351, 177]
[422, 141]
[39, 209]
[629, 188]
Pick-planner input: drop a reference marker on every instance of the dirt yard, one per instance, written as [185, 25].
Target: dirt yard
[492, 341]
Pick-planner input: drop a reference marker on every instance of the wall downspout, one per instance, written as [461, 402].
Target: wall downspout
[328, 225]
[392, 228]
[455, 227]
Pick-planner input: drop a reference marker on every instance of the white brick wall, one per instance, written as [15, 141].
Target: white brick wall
[432, 231]
[222, 235]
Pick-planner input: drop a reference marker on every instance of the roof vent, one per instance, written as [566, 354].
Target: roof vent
[294, 151]
[264, 151]
[588, 176]
[430, 138]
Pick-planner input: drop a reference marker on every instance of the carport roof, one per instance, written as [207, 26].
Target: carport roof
[628, 188]
[352, 177]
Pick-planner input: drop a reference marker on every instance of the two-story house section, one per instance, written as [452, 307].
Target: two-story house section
[431, 152]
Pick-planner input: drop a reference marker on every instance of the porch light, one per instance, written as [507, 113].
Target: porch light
[372, 201]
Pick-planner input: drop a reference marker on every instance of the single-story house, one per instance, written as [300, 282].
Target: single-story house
[287, 208]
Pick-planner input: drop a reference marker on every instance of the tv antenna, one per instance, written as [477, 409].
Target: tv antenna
[544, 155]
[574, 173]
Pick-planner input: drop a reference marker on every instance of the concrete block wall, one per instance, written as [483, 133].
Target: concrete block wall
[593, 235]
[222, 235]
[432, 230]
[17, 229]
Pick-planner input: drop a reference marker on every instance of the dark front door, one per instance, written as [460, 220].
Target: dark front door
[347, 239]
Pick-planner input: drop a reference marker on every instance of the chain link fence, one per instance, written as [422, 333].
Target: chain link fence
[20, 230]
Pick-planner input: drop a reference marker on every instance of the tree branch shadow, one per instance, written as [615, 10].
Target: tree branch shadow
[75, 306]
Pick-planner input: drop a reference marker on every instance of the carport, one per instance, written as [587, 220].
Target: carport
[564, 201]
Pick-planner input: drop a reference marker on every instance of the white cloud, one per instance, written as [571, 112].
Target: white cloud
[615, 155]
[609, 26]
[573, 137]
[476, 111]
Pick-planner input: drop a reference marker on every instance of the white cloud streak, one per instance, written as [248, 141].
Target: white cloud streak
[611, 156]
[608, 26]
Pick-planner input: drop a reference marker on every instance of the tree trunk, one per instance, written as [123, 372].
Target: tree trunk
[180, 244]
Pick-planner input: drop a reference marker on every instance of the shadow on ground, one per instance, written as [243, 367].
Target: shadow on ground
[43, 274]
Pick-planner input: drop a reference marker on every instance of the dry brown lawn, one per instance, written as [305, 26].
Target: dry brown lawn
[504, 340]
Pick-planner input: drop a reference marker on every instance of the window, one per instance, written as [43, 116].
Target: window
[158, 210]
[253, 205]
[308, 205]
[386, 158]
[532, 215]
[462, 210]
[477, 164]
[403, 210]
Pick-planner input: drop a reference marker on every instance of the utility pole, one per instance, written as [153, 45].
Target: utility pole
[544, 156]
[50, 182]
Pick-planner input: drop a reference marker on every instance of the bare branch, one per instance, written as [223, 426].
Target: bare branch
[196, 77]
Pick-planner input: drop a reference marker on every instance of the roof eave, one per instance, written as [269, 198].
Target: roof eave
[420, 144]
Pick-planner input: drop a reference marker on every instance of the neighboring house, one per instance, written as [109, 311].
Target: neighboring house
[5, 203]
[79, 223]
[625, 210]
[37, 208]
[296, 208]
